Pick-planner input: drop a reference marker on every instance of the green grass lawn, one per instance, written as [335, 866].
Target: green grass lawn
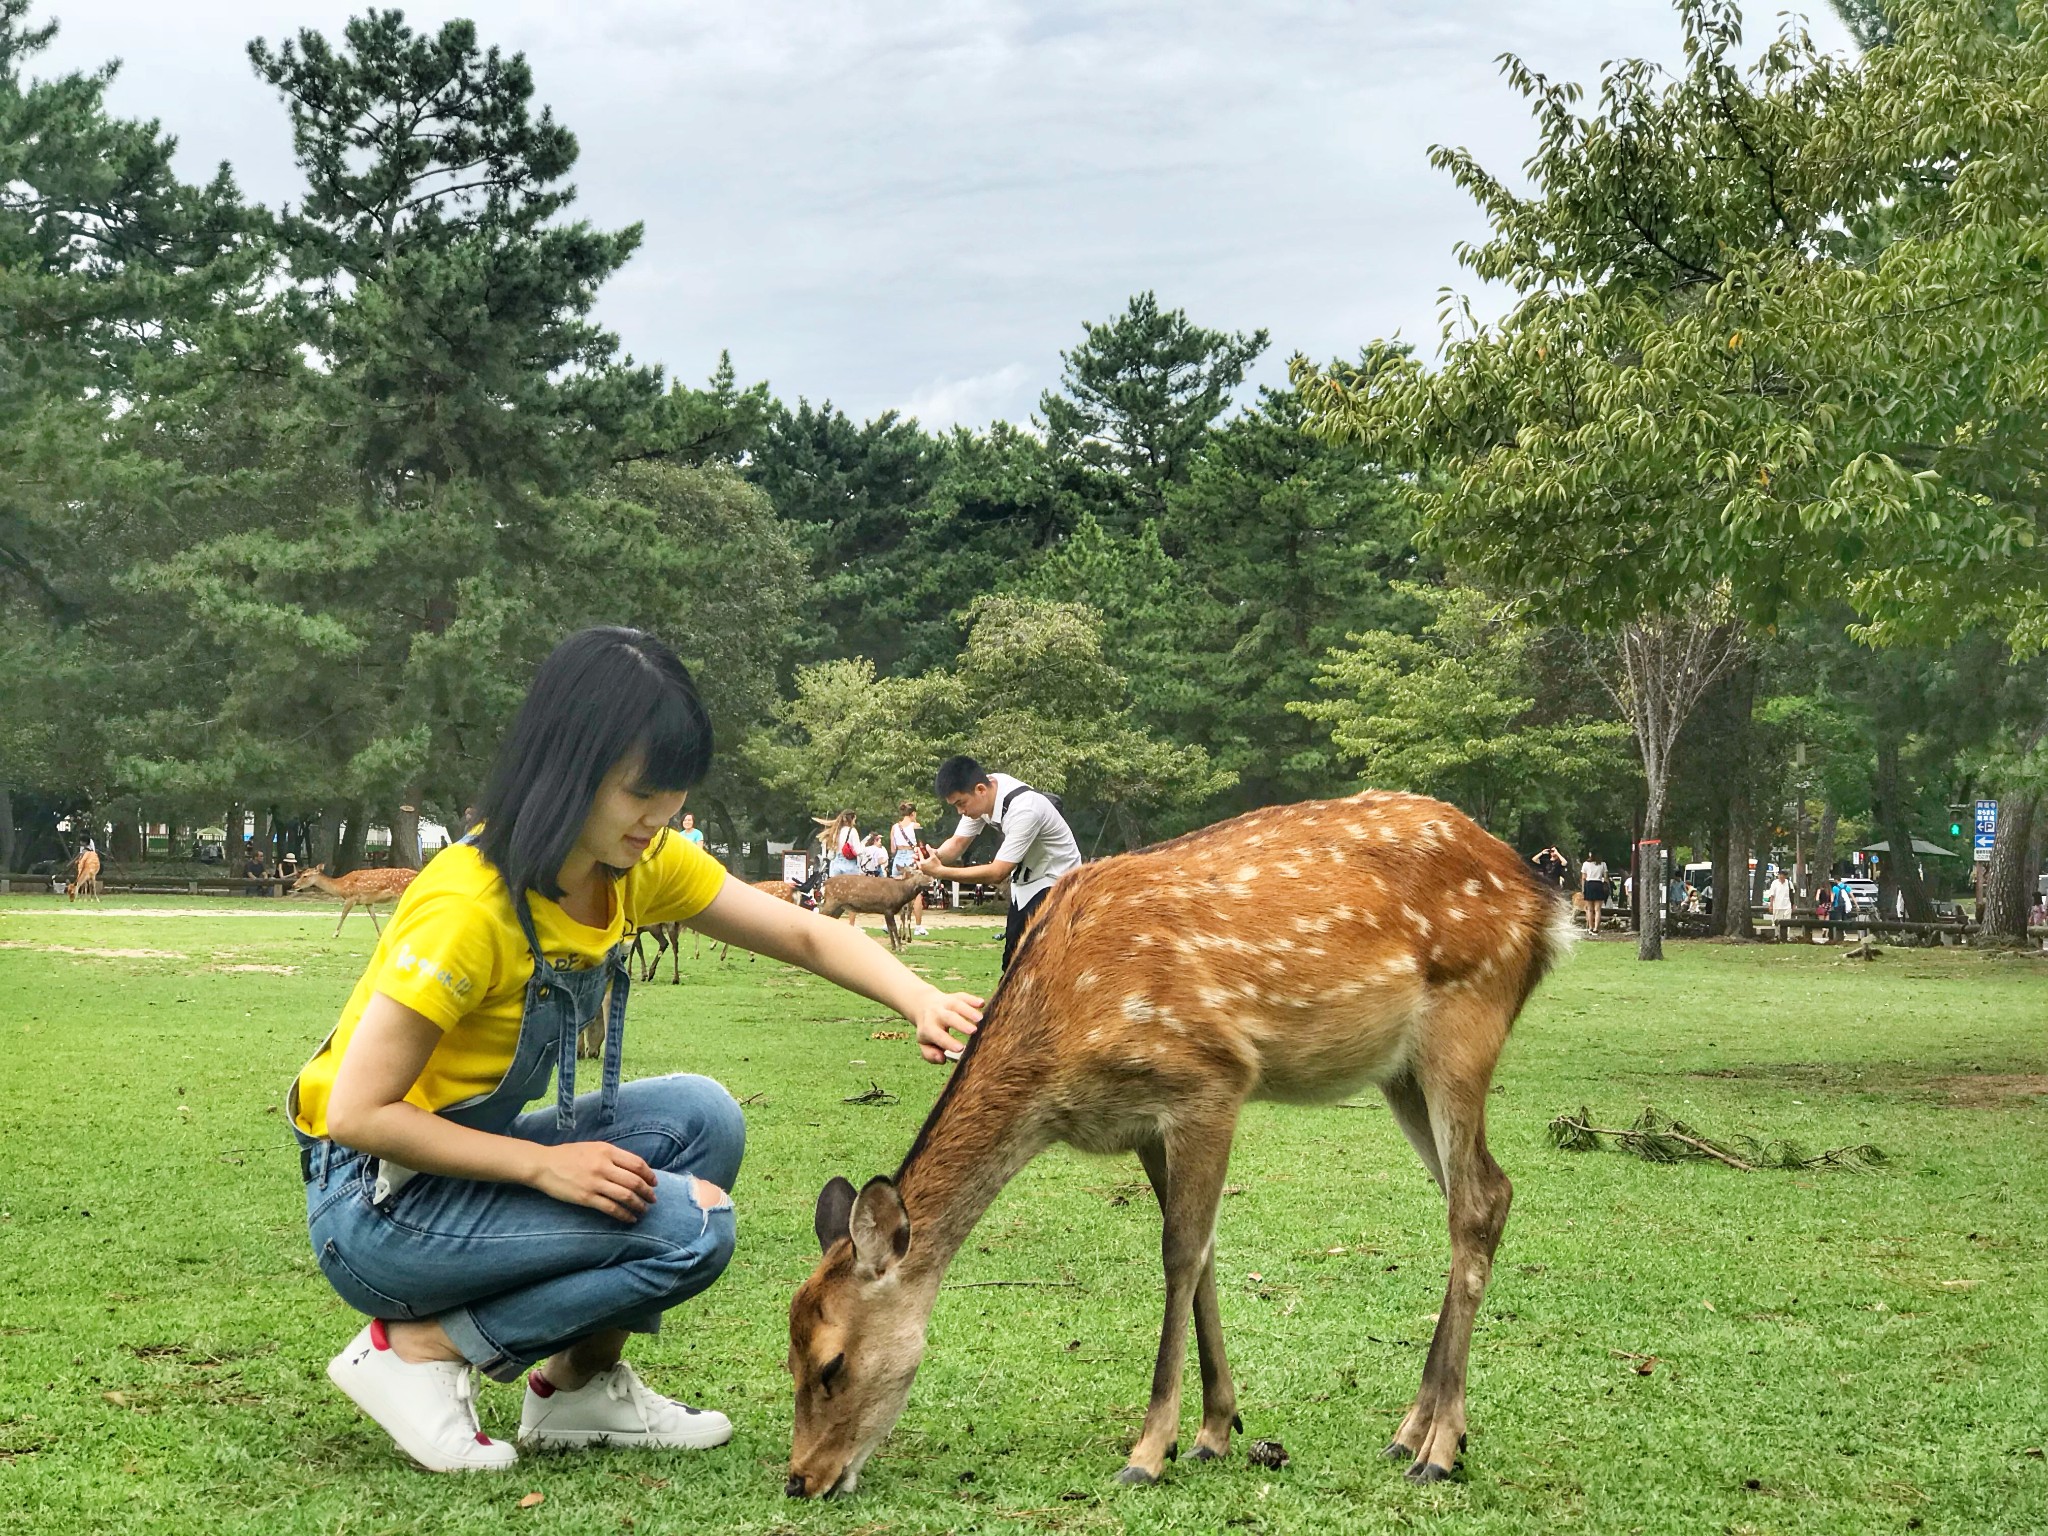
[1834, 1352]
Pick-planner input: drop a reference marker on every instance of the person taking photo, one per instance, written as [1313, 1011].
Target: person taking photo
[1037, 844]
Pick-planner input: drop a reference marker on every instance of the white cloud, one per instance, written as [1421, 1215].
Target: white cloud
[1008, 393]
[878, 202]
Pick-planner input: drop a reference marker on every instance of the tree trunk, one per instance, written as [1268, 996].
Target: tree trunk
[1899, 875]
[1824, 849]
[2009, 878]
[405, 834]
[6, 830]
[1649, 884]
[125, 842]
[355, 837]
[1731, 875]
[327, 841]
[734, 861]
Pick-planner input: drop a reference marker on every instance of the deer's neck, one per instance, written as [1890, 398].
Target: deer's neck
[991, 1122]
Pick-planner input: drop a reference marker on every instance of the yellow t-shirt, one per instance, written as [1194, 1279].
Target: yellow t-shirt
[454, 952]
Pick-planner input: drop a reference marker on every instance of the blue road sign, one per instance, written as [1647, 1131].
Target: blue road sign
[1987, 828]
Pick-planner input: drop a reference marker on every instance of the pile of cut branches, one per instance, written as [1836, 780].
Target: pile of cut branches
[1657, 1138]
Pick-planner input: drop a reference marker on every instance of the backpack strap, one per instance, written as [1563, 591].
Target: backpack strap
[1021, 789]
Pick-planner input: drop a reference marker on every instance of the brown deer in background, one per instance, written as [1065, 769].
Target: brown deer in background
[668, 938]
[884, 894]
[365, 888]
[1152, 996]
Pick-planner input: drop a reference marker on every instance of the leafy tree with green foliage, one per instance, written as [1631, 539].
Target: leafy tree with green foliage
[1136, 401]
[433, 544]
[1277, 545]
[116, 279]
[1453, 713]
[1032, 692]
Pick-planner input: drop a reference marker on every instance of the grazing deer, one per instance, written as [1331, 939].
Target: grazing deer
[885, 894]
[668, 937]
[85, 877]
[365, 888]
[1148, 1001]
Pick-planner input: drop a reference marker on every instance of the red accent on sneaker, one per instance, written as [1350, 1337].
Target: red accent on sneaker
[542, 1387]
[482, 1438]
[379, 1339]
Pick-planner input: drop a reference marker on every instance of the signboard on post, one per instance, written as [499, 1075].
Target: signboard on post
[1987, 830]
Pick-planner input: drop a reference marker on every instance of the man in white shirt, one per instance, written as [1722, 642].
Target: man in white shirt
[1037, 847]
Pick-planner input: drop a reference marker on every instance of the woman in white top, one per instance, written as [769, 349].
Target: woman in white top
[906, 837]
[1593, 890]
[874, 859]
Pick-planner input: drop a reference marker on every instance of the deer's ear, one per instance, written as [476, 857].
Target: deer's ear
[880, 1227]
[835, 1205]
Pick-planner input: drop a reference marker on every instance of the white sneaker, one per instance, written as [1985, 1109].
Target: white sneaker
[428, 1408]
[615, 1408]
[922, 933]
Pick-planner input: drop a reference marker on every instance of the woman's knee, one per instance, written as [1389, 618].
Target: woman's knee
[702, 1126]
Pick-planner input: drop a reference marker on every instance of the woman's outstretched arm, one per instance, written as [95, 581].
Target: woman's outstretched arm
[754, 920]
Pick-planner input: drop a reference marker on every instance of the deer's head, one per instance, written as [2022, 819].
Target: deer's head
[306, 877]
[856, 1335]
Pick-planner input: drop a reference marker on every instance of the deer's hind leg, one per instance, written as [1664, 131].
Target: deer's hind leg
[1219, 1391]
[346, 908]
[1453, 1073]
[1195, 1153]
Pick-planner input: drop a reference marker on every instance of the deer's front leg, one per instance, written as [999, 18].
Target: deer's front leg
[1219, 1391]
[1196, 1157]
[346, 907]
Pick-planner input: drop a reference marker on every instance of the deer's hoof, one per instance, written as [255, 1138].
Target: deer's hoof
[1398, 1452]
[1204, 1453]
[1428, 1472]
[1136, 1477]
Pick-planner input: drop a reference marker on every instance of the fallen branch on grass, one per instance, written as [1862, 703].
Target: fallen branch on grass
[876, 1094]
[1657, 1138]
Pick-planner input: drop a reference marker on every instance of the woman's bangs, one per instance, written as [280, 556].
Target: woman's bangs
[675, 744]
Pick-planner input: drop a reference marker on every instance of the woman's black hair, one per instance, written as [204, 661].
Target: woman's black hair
[601, 695]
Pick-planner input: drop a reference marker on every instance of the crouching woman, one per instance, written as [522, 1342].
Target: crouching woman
[479, 1235]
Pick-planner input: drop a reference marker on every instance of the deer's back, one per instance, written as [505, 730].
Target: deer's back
[1296, 953]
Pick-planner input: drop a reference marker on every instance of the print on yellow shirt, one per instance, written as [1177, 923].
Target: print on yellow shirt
[454, 952]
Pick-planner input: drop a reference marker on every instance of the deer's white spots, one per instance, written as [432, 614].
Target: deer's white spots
[1472, 887]
[1087, 978]
[1388, 834]
[1336, 855]
[1283, 943]
[1422, 925]
[1140, 1010]
[1256, 839]
[1212, 997]
[1496, 881]
[1341, 914]
[1246, 872]
[1455, 914]
[1291, 871]
[1357, 831]
[1400, 965]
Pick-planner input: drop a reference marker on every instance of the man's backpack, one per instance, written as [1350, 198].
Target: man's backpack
[1025, 789]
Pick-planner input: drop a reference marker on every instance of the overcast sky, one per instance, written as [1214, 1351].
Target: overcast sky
[888, 203]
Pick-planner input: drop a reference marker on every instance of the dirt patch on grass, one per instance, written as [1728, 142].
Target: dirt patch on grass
[1991, 1090]
[93, 953]
[1963, 1090]
[267, 970]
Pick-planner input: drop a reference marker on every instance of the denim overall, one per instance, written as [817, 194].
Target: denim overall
[513, 1274]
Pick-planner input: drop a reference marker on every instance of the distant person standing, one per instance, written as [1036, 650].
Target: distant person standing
[691, 834]
[1593, 890]
[1551, 867]
[906, 836]
[1780, 897]
[841, 841]
[1037, 847]
[874, 858]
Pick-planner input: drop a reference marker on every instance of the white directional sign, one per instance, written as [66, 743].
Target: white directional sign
[1987, 830]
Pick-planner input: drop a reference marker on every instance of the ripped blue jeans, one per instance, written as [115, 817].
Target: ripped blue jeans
[514, 1275]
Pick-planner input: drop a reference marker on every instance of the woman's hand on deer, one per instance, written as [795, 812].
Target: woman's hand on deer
[942, 1019]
